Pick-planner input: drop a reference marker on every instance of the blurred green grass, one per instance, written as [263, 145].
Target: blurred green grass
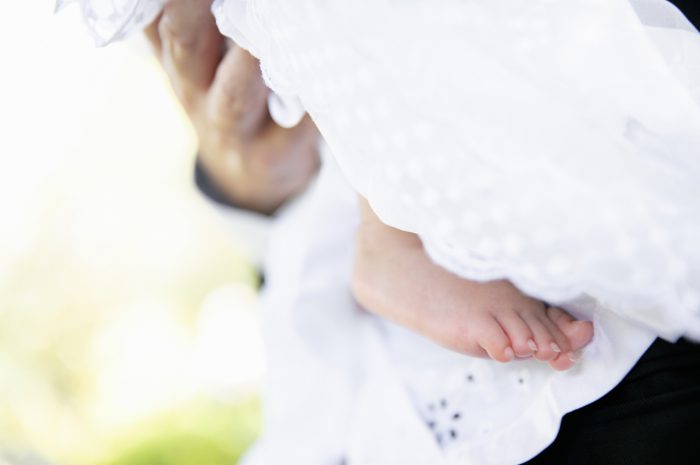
[204, 434]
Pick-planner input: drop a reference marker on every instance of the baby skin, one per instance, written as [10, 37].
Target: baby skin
[394, 278]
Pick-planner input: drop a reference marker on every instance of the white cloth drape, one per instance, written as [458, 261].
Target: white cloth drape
[555, 143]
[552, 142]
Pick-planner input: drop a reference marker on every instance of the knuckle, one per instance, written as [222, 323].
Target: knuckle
[175, 34]
[187, 98]
[231, 104]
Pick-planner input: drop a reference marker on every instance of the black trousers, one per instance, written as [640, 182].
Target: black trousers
[689, 9]
[651, 418]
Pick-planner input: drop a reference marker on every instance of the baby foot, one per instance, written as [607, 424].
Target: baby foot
[545, 333]
[505, 324]
[395, 279]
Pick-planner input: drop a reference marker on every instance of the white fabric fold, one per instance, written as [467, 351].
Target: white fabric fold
[551, 142]
[111, 20]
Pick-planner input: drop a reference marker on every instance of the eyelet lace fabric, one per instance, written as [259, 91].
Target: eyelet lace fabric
[554, 143]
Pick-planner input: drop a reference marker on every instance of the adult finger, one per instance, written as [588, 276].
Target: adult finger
[237, 99]
[191, 43]
[153, 36]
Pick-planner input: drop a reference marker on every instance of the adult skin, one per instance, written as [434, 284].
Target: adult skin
[252, 161]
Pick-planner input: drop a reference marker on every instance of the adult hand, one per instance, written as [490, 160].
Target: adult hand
[255, 163]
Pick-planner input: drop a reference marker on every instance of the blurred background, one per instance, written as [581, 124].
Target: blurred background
[128, 330]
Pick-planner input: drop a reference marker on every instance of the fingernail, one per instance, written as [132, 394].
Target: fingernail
[555, 347]
[574, 356]
[531, 344]
[509, 353]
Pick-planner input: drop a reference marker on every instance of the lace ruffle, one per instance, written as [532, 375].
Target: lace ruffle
[111, 20]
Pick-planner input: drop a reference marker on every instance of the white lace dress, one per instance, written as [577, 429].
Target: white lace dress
[555, 143]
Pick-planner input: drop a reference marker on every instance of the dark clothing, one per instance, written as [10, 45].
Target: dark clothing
[686, 6]
[651, 418]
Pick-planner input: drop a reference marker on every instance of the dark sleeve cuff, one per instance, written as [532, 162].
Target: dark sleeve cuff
[207, 187]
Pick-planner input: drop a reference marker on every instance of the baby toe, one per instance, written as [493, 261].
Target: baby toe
[563, 361]
[547, 348]
[560, 342]
[494, 341]
[579, 333]
[519, 334]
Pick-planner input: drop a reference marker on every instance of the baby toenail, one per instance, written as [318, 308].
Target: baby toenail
[531, 344]
[555, 347]
[573, 356]
[509, 354]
